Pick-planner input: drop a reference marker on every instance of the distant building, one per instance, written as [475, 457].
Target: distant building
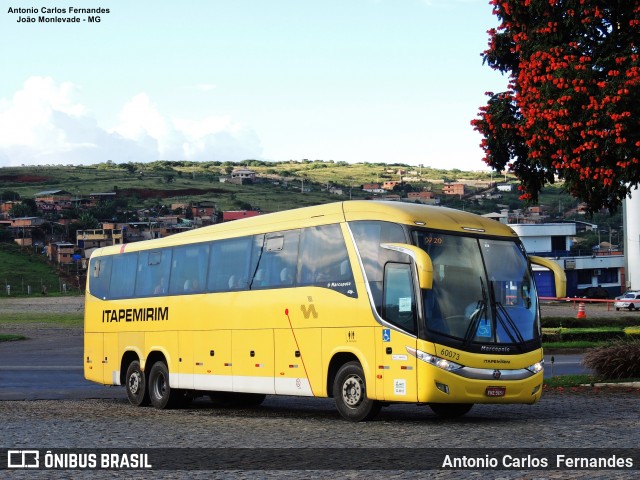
[99, 237]
[373, 188]
[453, 189]
[238, 214]
[242, 176]
[554, 240]
[52, 196]
[425, 197]
[61, 252]
[96, 198]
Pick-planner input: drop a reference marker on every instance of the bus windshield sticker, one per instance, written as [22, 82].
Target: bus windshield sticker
[484, 328]
[404, 304]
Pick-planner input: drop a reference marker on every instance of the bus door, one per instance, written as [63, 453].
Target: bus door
[212, 357]
[396, 369]
[253, 361]
[93, 356]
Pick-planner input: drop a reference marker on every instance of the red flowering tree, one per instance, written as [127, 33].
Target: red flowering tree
[572, 108]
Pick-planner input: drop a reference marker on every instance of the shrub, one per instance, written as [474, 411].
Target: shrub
[601, 334]
[591, 322]
[618, 360]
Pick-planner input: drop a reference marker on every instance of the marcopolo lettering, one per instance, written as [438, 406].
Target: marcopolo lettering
[150, 314]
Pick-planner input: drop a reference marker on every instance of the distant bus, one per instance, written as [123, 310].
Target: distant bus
[367, 302]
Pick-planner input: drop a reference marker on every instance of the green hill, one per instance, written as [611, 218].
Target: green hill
[163, 182]
[21, 269]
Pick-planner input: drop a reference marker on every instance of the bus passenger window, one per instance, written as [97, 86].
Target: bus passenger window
[153, 273]
[286, 276]
[100, 269]
[189, 268]
[123, 275]
[324, 261]
[233, 262]
[278, 260]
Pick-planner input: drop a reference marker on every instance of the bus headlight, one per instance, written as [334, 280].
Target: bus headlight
[536, 367]
[439, 362]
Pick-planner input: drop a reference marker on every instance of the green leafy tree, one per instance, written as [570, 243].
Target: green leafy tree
[572, 108]
[5, 236]
[9, 195]
[27, 208]
[87, 222]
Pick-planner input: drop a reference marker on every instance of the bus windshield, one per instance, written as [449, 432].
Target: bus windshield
[483, 292]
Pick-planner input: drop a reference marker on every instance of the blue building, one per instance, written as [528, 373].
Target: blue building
[603, 267]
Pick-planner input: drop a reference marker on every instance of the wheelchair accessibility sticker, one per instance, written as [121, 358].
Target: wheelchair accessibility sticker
[386, 334]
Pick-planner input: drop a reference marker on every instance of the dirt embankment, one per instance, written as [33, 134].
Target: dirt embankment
[70, 304]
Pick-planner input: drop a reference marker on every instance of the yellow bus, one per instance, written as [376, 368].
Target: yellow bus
[367, 302]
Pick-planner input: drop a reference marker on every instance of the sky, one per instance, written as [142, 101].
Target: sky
[393, 81]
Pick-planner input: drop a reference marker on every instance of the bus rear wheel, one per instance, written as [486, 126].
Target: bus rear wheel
[161, 394]
[350, 394]
[450, 410]
[136, 385]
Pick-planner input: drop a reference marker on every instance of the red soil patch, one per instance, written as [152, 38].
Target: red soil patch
[145, 193]
[23, 178]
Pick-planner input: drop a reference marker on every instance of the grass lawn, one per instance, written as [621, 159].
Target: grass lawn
[565, 381]
[11, 338]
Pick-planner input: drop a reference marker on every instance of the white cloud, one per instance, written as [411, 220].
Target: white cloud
[43, 123]
[211, 138]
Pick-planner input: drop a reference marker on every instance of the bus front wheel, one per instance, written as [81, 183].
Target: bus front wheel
[350, 394]
[136, 385]
[160, 393]
[450, 410]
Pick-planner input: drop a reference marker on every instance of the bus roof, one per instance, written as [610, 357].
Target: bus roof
[439, 218]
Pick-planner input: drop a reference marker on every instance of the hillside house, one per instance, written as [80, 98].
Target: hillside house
[453, 189]
[97, 238]
[423, 197]
[373, 188]
[61, 252]
[242, 176]
[231, 215]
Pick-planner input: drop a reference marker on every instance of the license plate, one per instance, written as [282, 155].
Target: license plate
[495, 391]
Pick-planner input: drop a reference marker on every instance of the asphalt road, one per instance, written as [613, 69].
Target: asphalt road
[46, 404]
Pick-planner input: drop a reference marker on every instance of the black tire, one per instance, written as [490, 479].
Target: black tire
[233, 399]
[161, 394]
[450, 410]
[136, 385]
[632, 307]
[350, 394]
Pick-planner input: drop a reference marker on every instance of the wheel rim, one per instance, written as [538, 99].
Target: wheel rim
[353, 391]
[135, 381]
[159, 386]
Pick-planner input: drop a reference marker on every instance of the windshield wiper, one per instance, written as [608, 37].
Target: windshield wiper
[481, 308]
[505, 317]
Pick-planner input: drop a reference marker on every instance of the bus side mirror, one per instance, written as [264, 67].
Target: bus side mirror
[558, 273]
[421, 260]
